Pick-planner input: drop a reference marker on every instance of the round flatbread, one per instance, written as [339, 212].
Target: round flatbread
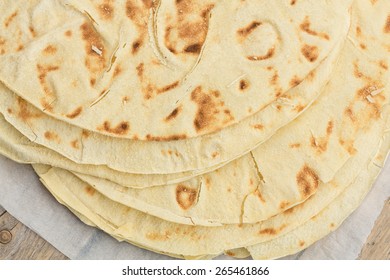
[142, 77]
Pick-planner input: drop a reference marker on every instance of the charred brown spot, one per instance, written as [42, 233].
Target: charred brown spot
[320, 144]
[187, 34]
[244, 32]
[259, 126]
[106, 10]
[186, 197]
[20, 48]
[290, 210]
[90, 191]
[299, 108]
[358, 31]
[363, 46]
[268, 231]
[68, 33]
[209, 110]
[103, 92]
[350, 114]
[125, 99]
[274, 79]
[175, 137]
[374, 102]
[117, 71]
[85, 134]
[135, 12]
[168, 87]
[228, 116]
[283, 205]
[244, 85]
[269, 54]
[140, 70]
[52, 136]
[308, 181]
[46, 105]
[95, 60]
[139, 14]
[32, 31]
[272, 231]
[311, 76]
[75, 113]
[348, 146]
[194, 48]
[75, 144]
[386, 29]
[24, 112]
[43, 71]
[311, 53]
[206, 105]
[295, 81]
[136, 46]
[121, 129]
[230, 254]
[50, 50]
[8, 21]
[295, 145]
[305, 26]
[260, 196]
[173, 114]
[383, 65]
[292, 3]
[329, 128]
[301, 243]
[92, 39]
[156, 236]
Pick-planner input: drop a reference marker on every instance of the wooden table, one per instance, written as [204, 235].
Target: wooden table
[18, 242]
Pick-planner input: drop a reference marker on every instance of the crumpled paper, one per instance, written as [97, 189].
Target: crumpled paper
[24, 197]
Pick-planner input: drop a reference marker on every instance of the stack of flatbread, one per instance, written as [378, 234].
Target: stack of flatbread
[200, 128]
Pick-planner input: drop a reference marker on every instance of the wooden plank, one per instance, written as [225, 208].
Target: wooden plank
[7, 222]
[24, 243]
[377, 246]
[2, 210]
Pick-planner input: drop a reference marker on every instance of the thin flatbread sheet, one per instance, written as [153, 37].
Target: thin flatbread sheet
[117, 89]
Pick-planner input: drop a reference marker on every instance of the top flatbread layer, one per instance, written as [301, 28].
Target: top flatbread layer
[162, 70]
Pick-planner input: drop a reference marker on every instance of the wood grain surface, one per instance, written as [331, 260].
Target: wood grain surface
[377, 246]
[17, 242]
[24, 244]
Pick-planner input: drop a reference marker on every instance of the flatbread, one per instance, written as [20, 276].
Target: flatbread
[314, 162]
[311, 34]
[17, 147]
[286, 170]
[80, 145]
[329, 219]
[163, 236]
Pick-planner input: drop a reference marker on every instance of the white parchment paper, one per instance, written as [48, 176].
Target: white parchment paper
[23, 196]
